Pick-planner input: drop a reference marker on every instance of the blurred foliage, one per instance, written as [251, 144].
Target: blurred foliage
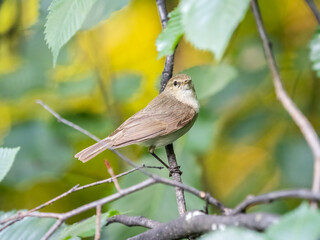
[243, 142]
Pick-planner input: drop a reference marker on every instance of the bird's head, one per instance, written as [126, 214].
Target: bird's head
[180, 83]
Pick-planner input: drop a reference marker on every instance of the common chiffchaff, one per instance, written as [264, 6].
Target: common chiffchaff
[166, 118]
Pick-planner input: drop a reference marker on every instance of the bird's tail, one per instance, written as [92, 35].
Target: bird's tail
[92, 151]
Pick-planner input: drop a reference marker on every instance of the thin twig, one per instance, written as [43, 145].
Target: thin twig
[200, 194]
[302, 122]
[269, 197]
[150, 181]
[66, 122]
[314, 9]
[166, 75]
[132, 221]
[114, 178]
[21, 215]
[109, 180]
[98, 222]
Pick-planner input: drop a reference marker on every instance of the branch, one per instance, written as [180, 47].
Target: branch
[100, 202]
[314, 9]
[132, 221]
[20, 215]
[302, 122]
[196, 223]
[166, 75]
[200, 194]
[98, 222]
[114, 178]
[66, 122]
[269, 197]
[168, 66]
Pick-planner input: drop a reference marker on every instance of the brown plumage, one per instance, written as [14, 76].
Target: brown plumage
[166, 118]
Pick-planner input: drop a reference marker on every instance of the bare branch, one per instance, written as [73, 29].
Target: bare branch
[269, 197]
[114, 178]
[196, 223]
[66, 122]
[109, 180]
[314, 9]
[166, 75]
[21, 215]
[203, 195]
[132, 221]
[110, 198]
[98, 222]
[302, 122]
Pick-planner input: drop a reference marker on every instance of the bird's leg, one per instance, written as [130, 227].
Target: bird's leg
[171, 170]
[151, 151]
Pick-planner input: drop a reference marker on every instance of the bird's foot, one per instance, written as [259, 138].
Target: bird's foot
[174, 170]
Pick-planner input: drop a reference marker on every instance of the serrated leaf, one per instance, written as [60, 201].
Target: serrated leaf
[85, 228]
[302, 223]
[7, 156]
[209, 24]
[64, 20]
[232, 234]
[28, 228]
[315, 51]
[170, 36]
[102, 10]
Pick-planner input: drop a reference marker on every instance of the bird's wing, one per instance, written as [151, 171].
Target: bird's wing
[153, 121]
[162, 116]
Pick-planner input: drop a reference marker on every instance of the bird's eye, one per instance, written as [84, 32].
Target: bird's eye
[175, 83]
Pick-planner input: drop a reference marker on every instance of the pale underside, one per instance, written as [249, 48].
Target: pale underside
[164, 120]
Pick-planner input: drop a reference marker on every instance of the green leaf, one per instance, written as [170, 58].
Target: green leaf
[7, 156]
[302, 223]
[170, 36]
[102, 10]
[209, 79]
[232, 234]
[28, 228]
[85, 228]
[315, 51]
[209, 24]
[124, 86]
[64, 20]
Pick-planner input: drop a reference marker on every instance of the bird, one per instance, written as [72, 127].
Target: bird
[165, 119]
